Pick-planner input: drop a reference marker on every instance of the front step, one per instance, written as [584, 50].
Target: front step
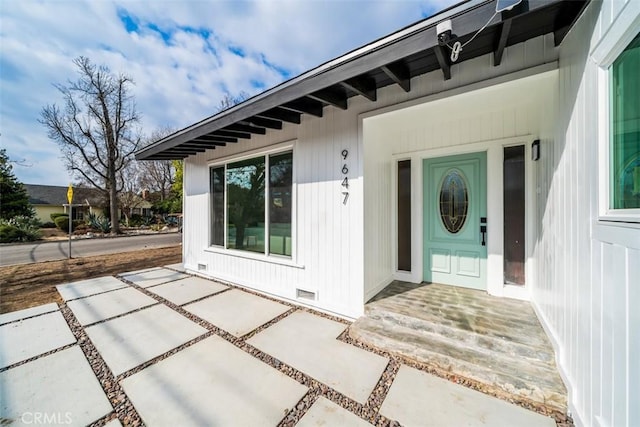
[527, 372]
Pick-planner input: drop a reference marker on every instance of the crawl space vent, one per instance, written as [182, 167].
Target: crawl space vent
[302, 294]
[202, 267]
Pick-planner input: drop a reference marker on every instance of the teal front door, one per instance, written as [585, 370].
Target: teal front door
[455, 211]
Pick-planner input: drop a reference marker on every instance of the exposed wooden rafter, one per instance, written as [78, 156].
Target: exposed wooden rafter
[204, 145]
[399, 73]
[331, 96]
[503, 36]
[245, 128]
[215, 138]
[281, 114]
[305, 105]
[394, 59]
[362, 85]
[267, 123]
[231, 134]
[443, 60]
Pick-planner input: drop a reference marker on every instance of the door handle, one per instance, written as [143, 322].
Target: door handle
[483, 230]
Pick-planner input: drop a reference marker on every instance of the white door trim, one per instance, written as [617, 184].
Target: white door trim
[495, 244]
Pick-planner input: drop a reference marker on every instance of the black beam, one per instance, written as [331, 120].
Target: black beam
[362, 85]
[198, 144]
[399, 73]
[567, 16]
[305, 105]
[281, 114]
[245, 128]
[231, 134]
[335, 97]
[267, 123]
[215, 138]
[185, 152]
[161, 156]
[443, 60]
[505, 29]
[205, 143]
[467, 18]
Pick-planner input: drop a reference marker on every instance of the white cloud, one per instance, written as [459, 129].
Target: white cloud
[180, 81]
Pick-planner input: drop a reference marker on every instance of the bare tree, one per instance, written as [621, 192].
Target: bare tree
[157, 176]
[229, 100]
[96, 129]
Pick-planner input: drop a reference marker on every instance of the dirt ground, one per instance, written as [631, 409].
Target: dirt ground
[28, 285]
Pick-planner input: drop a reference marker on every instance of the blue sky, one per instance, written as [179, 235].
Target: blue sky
[183, 56]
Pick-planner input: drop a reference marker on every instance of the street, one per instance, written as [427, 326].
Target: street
[49, 251]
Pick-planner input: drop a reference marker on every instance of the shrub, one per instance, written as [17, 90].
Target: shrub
[135, 220]
[19, 229]
[62, 222]
[48, 224]
[99, 223]
[10, 233]
[58, 214]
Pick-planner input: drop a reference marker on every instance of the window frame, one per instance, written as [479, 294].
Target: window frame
[621, 32]
[265, 152]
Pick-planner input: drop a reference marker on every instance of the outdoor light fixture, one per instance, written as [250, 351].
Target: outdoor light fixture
[535, 150]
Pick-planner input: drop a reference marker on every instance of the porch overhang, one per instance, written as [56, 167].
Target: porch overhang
[392, 60]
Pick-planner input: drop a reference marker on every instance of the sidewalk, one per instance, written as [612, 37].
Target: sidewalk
[165, 348]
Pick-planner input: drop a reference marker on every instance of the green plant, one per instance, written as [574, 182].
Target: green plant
[135, 220]
[19, 229]
[56, 215]
[99, 223]
[9, 234]
[62, 222]
[48, 224]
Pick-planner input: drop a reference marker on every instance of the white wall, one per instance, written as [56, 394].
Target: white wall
[482, 108]
[588, 290]
[327, 257]
[330, 254]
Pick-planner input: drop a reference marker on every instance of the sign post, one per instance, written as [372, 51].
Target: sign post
[70, 200]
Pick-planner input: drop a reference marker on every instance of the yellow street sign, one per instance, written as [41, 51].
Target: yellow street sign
[70, 194]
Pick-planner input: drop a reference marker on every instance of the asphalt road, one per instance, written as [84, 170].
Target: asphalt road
[26, 253]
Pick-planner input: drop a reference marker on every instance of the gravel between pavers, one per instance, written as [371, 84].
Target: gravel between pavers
[128, 416]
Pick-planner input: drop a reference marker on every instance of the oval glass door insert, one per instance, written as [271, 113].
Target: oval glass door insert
[454, 201]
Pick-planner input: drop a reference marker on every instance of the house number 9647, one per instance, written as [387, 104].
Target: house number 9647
[345, 181]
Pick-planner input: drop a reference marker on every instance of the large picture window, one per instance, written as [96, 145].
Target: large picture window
[252, 204]
[625, 129]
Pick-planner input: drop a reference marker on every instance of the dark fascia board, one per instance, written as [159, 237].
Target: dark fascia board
[467, 17]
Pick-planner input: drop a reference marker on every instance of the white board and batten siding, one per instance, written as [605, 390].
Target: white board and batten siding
[341, 252]
[327, 246]
[588, 288]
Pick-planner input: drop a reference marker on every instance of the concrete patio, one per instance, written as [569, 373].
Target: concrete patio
[497, 343]
[161, 347]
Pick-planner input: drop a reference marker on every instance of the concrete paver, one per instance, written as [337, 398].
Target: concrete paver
[420, 399]
[32, 337]
[307, 342]
[85, 288]
[135, 338]
[186, 290]
[156, 276]
[236, 311]
[58, 389]
[212, 383]
[104, 306]
[326, 413]
[178, 266]
[28, 312]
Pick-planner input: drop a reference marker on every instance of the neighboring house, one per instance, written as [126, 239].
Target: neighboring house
[514, 169]
[48, 199]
